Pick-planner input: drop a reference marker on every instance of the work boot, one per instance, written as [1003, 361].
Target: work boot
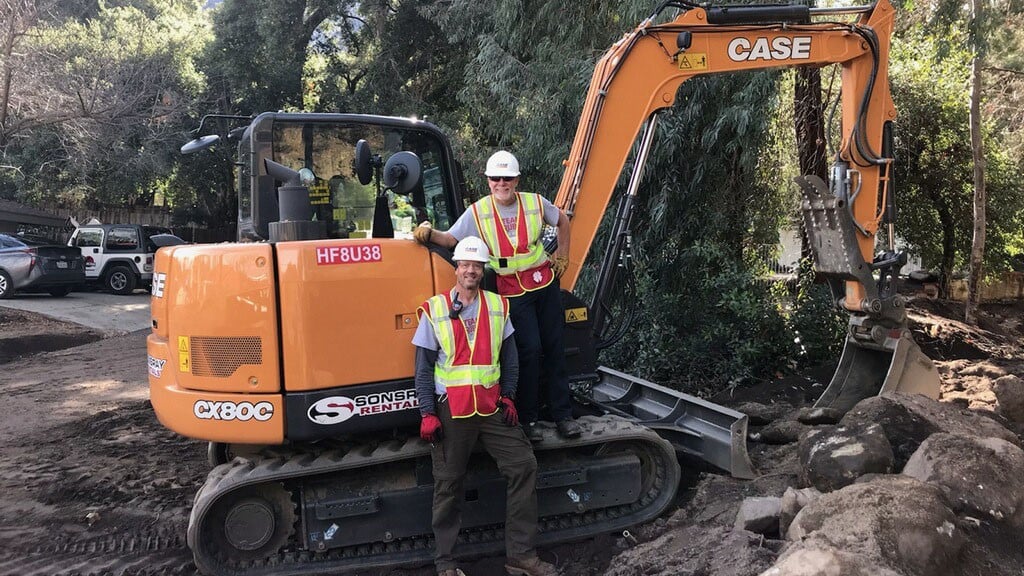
[530, 566]
[533, 432]
[569, 429]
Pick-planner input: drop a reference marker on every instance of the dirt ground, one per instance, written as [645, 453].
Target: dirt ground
[92, 484]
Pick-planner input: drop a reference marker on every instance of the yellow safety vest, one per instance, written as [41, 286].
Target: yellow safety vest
[470, 371]
[520, 261]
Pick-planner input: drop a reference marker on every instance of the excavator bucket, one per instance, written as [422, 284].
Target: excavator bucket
[879, 354]
[867, 369]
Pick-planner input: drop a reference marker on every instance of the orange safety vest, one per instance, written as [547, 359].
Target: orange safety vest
[521, 263]
[470, 371]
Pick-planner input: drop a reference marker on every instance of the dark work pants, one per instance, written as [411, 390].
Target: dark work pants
[513, 454]
[539, 319]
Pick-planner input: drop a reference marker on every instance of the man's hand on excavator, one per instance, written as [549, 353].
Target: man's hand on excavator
[508, 411]
[559, 264]
[430, 429]
[423, 232]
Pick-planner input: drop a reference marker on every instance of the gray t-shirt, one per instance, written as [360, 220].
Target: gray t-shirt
[426, 338]
[466, 224]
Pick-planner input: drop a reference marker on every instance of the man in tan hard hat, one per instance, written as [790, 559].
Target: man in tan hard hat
[466, 376]
[511, 224]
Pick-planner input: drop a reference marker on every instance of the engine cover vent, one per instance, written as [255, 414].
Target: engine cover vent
[221, 357]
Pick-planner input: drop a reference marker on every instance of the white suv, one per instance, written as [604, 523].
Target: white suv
[118, 255]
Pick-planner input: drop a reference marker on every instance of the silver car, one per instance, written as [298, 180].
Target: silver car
[33, 265]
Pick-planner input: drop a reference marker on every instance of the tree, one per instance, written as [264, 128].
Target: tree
[18, 18]
[934, 168]
[98, 118]
[978, 44]
[970, 137]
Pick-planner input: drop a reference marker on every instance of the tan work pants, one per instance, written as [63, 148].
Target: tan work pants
[514, 455]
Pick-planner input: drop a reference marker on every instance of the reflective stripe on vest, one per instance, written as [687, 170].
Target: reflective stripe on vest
[470, 372]
[520, 261]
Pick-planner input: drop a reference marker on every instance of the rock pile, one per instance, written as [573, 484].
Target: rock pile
[900, 485]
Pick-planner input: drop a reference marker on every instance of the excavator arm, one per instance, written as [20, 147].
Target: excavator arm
[641, 75]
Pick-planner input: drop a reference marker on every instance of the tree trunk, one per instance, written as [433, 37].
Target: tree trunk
[978, 151]
[809, 120]
[6, 76]
[809, 123]
[948, 247]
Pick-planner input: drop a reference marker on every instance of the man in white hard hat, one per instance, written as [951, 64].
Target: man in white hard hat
[511, 224]
[466, 376]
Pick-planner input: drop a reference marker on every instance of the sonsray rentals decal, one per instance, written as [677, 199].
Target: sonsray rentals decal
[241, 411]
[337, 409]
[156, 365]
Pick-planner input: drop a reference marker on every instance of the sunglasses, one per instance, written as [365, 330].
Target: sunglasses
[502, 178]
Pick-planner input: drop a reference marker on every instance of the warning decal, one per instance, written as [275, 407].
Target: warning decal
[184, 358]
[575, 315]
[319, 193]
[695, 61]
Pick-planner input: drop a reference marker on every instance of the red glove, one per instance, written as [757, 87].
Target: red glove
[508, 411]
[430, 429]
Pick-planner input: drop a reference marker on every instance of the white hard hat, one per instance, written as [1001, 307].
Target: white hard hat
[502, 163]
[471, 248]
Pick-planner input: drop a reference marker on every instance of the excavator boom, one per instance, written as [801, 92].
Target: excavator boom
[640, 76]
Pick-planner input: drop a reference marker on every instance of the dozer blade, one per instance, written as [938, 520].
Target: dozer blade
[863, 364]
[695, 427]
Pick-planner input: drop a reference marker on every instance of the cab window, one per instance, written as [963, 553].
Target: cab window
[337, 195]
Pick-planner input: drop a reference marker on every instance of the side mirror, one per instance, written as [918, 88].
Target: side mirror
[199, 144]
[403, 172]
[365, 162]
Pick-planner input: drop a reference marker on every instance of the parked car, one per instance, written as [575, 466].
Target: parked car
[35, 265]
[120, 256]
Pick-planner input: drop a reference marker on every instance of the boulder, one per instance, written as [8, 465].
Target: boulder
[896, 522]
[779, 432]
[759, 514]
[761, 414]
[792, 502]
[825, 560]
[908, 419]
[832, 457]
[1009, 392]
[815, 416]
[981, 477]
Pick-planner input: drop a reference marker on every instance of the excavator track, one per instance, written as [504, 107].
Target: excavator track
[616, 475]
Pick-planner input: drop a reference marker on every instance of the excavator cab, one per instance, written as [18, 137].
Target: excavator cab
[339, 197]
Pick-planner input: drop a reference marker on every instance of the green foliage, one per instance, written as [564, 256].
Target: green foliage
[259, 52]
[934, 164]
[98, 120]
[707, 325]
[818, 328]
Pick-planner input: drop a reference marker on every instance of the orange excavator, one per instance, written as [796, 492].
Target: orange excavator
[289, 352]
